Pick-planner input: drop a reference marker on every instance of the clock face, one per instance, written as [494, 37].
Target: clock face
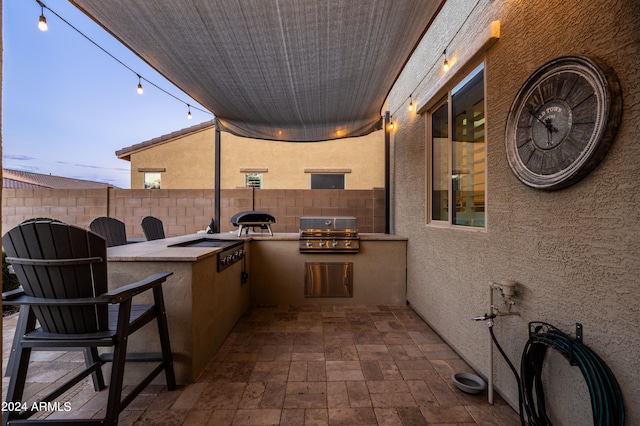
[562, 122]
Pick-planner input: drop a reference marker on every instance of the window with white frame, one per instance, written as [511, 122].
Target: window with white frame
[253, 180]
[457, 155]
[152, 180]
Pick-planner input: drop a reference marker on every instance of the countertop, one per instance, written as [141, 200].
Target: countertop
[160, 250]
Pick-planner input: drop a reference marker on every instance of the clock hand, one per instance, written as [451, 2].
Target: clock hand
[547, 124]
[551, 129]
[539, 119]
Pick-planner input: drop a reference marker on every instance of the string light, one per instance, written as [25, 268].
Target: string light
[434, 65]
[42, 22]
[140, 91]
[445, 66]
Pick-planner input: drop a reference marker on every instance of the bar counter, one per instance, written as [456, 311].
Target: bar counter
[203, 305]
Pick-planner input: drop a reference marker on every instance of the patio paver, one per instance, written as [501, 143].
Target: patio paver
[331, 365]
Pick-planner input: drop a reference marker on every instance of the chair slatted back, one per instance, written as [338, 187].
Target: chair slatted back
[55, 260]
[152, 228]
[113, 230]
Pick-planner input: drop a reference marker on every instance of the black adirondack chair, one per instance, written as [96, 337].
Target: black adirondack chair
[63, 272]
[111, 229]
[152, 228]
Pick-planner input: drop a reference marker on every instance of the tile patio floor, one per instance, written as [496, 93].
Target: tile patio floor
[332, 365]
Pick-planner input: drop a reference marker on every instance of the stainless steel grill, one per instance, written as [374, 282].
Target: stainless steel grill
[329, 235]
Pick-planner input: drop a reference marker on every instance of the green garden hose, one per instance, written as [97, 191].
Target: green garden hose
[606, 399]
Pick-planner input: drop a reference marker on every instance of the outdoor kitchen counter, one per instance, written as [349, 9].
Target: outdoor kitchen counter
[161, 250]
[277, 270]
[203, 305]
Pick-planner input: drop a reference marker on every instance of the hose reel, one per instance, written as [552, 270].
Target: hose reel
[606, 399]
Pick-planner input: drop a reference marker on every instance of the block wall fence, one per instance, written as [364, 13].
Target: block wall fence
[186, 211]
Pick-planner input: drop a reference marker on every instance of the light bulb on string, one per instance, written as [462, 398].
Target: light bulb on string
[189, 112]
[445, 66]
[42, 22]
[140, 91]
[410, 103]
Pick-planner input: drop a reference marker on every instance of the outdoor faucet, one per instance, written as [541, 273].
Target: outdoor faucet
[484, 317]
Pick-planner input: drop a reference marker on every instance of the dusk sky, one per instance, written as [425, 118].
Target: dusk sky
[67, 106]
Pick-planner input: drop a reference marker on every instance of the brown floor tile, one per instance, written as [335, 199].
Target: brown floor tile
[252, 396]
[404, 399]
[422, 393]
[444, 394]
[292, 417]
[316, 417]
[373, 352]
[455, 414]
[300, 365]
[337, 396]
[358, 394]
[352, 416]
[305, 401]
[371, 370]
[387, 417]
[245, 417]
[221, 417]
[274, 395]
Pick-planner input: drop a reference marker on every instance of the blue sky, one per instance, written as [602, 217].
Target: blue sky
[67, 106]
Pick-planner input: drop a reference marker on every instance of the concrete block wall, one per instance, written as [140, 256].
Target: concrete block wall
[186, 211]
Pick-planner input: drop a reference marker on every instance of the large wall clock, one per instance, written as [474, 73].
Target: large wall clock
[562, 122]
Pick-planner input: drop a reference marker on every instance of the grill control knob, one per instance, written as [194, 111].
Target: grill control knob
[347, 243]
[322, 243]
[308, 244]
[334, 243]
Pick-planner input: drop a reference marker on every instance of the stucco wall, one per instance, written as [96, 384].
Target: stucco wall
[189, 161]
[286, 162]
[574, 252]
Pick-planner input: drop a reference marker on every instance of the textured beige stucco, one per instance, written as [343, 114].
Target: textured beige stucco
[189, 161]
[286, 161]
[573, 252]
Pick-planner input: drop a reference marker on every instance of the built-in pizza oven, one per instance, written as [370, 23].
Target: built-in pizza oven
[252, 219]
[329, 235]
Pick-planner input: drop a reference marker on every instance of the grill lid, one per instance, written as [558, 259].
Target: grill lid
[328, 223]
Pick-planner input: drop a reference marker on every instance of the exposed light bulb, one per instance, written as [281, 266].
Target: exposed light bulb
[42, 23]
[391, 125]
[410, 103]
[445, 66]
[140, 91]
[189, 113]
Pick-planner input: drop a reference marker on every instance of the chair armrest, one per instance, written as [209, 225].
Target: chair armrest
[128, 291]
[41, 301]
[11, 294]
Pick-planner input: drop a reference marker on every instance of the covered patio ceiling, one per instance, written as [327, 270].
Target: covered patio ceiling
[292, 70]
